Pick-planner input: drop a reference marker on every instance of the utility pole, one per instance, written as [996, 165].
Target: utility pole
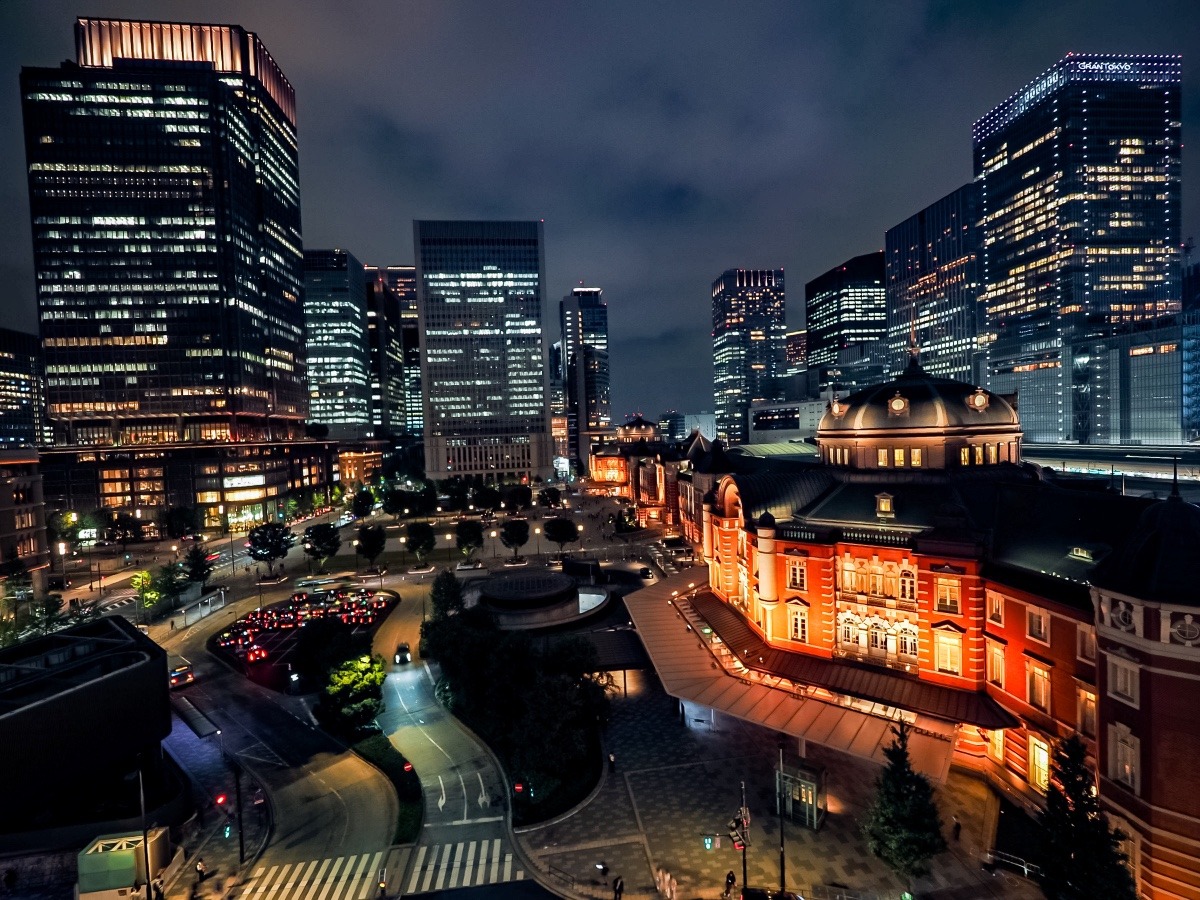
[744, 815]
[779, 792]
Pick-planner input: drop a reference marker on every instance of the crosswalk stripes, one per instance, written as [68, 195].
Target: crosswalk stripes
[333, 878]
[464, 864]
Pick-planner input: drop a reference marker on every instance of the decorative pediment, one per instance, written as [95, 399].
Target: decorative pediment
[948, 626]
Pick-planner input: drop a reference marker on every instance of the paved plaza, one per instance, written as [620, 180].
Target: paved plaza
[675, 781]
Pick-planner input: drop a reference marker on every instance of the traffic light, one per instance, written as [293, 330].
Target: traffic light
[220, 800]
[708, 841]
[739, 843]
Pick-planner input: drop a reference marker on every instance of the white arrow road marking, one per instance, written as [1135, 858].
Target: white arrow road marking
[483, 798]
[442, 799]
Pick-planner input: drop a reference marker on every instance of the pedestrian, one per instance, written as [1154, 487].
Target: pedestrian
[612, 762]
[157, 886]
[201, 869]
[172, 624]
[956, 829]
[618, 887]
[730, 881]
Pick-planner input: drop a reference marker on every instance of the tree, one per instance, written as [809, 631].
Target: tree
[395, 502]
[1081, 853]
[468, 536]
[363, 502]
[514, 534]
[371, 541]
[518, 496]
[322, 542]
[445, 596]
[270, 542]
[182, 520]
[196, 564]
[487, 497]
[420, 539]
[353, 697]
[560, 531]
[903, 826]
[128, 530]
[550, 497]
[147, 592]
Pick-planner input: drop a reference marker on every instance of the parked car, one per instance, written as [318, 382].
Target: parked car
[645, 572]
[58, 582]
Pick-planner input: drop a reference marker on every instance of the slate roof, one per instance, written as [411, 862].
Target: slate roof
[781, 493]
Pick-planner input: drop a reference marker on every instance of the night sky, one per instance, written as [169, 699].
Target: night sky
[661, 142]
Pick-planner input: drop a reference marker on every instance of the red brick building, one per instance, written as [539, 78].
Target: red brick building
[919, 570]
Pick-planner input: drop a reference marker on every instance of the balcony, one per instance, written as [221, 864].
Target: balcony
[879, 601]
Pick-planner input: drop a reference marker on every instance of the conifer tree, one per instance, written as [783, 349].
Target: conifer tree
[903, 826]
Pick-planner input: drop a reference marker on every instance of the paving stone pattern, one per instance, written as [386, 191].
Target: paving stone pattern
[676, 782]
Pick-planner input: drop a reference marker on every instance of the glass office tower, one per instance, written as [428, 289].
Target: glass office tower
[165, 203]
[335, 321]
[1079, 197]
[846, 310]
[749, 339]
[480, 290]
[20, 390]
[583, 317]
[932, 287]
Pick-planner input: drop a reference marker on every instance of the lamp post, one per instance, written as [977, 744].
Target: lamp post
[355, 543]
[403, 549]
[538, 533]
[493, 545]
[62, 559]
[449, 548]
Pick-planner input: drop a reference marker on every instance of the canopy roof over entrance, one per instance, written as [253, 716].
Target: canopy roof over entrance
[695, 664]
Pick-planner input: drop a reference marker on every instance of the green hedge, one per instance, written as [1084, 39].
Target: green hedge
[379, 751]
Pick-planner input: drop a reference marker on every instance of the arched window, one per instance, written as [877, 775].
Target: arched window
[848, 576]
[848, 631]
[906, 639]
[908, 585]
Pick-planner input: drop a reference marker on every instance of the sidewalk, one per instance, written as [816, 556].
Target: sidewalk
[676, 783]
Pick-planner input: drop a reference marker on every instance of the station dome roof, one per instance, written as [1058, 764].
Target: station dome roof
[917, 400]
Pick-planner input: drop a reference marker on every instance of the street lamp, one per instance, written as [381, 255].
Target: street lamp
[174, 552]
[62, 558]
[403, 549]
[538, 533]
[355, 543]
[493, 545]
[449, 548]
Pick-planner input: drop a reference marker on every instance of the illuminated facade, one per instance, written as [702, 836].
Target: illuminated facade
[919, 570]
[403, 282]
[583, 317]
[1079, 199]
[846, 311]
[21, 401]
[22, 523]
[335, 326]
[483, 356]
[932, 287]
[749, 332]
[165, 205]
[233, 486]
[796, 351]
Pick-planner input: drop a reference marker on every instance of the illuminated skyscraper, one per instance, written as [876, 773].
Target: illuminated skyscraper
[335, 321]
[165, 203]
[845, 310]
[796, 351]
[933, 287]
[749, 338]
[480, 289]
[583, 317]
[20, 389]
[1079, 193]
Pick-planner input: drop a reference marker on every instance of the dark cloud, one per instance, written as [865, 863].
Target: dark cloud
[662, 143]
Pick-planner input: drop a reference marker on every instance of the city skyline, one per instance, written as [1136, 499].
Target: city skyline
[830, 169]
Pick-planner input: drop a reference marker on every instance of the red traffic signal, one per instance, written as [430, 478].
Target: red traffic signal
[220, 799]
[739, 842]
